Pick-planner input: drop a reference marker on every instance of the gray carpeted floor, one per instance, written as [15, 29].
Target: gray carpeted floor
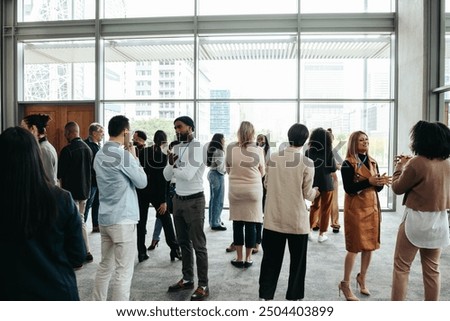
[227, 283]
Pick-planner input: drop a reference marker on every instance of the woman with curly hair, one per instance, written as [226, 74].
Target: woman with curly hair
[424, 179]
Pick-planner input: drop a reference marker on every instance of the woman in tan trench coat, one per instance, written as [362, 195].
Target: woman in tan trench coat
[362, 215]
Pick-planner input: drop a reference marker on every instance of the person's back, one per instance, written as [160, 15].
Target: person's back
[117, 190]
[37, 124]
[288, 181]
[49, 159]
[289, 175]
[118, 175]
[40, 233]
[42, 268]
[75, 169]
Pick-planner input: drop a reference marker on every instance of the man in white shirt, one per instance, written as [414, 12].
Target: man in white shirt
[119, 173]
[187, 165]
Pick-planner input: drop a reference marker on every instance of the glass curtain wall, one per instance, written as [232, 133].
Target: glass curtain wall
[447, 58]
[258, 61]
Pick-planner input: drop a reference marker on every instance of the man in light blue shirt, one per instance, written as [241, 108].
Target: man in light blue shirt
[118, 174]
[187, 165]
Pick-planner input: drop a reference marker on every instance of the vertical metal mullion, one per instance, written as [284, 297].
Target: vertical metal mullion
[196, 78]
[99, 64]
[298, 59]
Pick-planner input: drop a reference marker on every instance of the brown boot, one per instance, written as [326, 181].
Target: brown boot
[344, 286]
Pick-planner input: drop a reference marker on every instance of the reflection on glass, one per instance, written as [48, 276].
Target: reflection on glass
[56, 10]
[249, 67]
[346, 6]
[59, 70]
[148, 8]
[159, 68]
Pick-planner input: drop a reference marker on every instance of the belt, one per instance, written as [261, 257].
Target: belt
[189, 197]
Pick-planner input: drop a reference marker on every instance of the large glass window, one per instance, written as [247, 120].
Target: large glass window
[345, 66]
[51, 10]
[154, 68]
[148, 8]
[58, 70]
[447, 60]
[221, 69]
[250, 66]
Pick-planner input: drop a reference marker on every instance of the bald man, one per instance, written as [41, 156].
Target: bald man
[74, 174]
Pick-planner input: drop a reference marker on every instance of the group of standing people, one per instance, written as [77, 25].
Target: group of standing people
[46, 221]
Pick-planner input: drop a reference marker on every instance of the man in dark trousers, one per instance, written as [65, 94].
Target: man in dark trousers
[187, 164]
[74, 173]
[96, 133]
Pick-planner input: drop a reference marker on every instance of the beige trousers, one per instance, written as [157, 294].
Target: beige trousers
[404, 255]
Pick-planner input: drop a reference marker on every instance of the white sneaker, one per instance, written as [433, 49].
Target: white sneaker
[310, 238]
[322, 238]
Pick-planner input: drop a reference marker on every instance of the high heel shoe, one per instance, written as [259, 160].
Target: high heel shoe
[360, 281]
[344, 286]
[153, 245]
[175, 253]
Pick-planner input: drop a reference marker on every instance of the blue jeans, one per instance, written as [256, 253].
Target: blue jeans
[92, 203]
[217, 194]
[157, 230]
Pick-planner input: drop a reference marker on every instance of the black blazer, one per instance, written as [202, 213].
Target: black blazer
[74, 169]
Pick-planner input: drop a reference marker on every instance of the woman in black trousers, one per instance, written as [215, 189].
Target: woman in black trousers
[153, 159]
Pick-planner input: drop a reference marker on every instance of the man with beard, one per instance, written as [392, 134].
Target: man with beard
[186, 165]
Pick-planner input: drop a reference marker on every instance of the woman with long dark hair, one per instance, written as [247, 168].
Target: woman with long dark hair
[153, 160]
[320, 151]
[216, 162]
[40, 230]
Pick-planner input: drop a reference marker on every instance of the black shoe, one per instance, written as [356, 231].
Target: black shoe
[219, 228]
[175, 254]
[78, 267]
[181, 285]
[316, 228]
[238, 264]
[142, 257]
[200, 294]
[89, 258]
[248, 264]
[335, 229]
[153, 245]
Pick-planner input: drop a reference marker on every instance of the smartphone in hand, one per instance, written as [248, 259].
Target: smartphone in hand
[126, 140]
